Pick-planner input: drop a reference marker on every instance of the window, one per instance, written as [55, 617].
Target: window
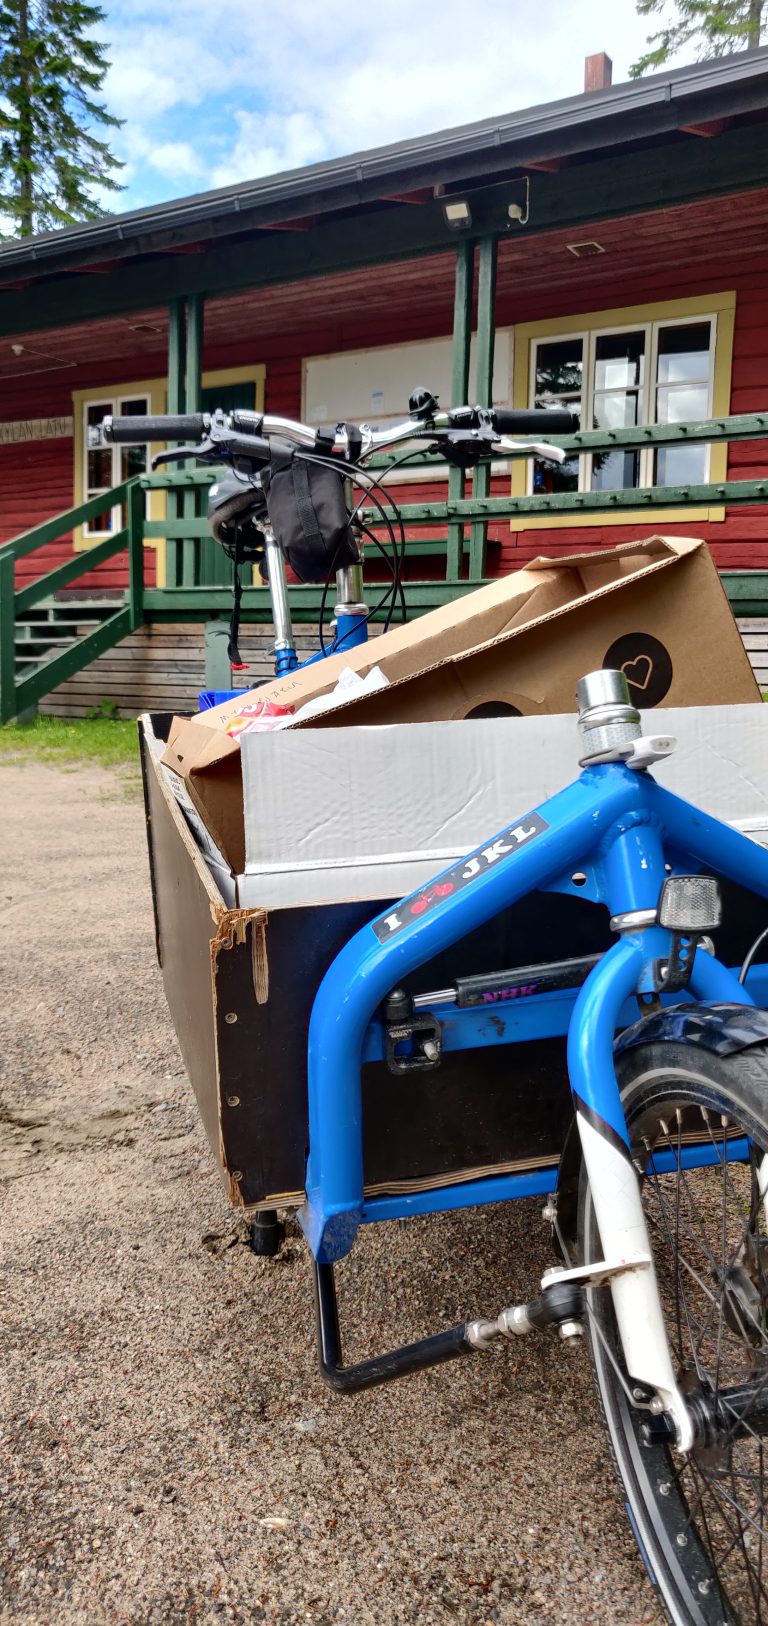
[97, 470]
[656, 365]
[661, 372]
[108, 466]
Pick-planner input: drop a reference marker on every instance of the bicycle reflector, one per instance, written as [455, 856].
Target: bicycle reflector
[690, 903]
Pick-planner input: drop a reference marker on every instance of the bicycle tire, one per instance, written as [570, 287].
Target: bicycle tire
[715, 1299]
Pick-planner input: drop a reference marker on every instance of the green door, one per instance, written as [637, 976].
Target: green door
[228, 397]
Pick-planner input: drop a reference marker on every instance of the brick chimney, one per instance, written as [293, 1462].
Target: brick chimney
[598, 72]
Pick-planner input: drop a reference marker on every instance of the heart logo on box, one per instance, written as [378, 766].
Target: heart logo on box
[638, 672]
[646, 665]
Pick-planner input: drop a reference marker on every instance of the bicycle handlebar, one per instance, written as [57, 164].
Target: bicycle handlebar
[240, 424]
[535, 421]
[129, 431]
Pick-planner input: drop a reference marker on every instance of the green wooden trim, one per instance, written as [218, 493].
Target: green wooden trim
[194, 353]
[177, 315]
[673, 173]
[738, 493]
[7, 638]
[176, 308]
[69, 571]
[747, 590]
[52, 529]
[201, 603]
[188, 554]
[462, 319]
[486, 326]
[743, 426]
[188, 560]
[171, 479]
[462, 339]
[177, 529]
[135, 534]
[70, 661]
[197, 529]
[486, 344]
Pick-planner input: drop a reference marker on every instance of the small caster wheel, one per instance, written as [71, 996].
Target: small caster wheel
[267, 1233]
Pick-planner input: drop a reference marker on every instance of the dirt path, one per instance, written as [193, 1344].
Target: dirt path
[169, 1454]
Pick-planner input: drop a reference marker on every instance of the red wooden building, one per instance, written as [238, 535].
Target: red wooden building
[610, 252]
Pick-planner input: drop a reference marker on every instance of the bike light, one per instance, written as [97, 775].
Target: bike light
[690, 903]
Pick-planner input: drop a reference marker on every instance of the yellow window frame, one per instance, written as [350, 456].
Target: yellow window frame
[722, 307]
[156, 391]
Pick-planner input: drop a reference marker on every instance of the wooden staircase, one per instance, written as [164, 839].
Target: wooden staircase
[52, 626]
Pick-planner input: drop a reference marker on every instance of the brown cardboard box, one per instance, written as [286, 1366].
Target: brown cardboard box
[656, 609]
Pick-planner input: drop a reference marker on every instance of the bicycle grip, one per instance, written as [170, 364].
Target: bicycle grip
[541, 421]
[130, 431]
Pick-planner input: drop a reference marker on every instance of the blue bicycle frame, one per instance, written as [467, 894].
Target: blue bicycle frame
[620, 833]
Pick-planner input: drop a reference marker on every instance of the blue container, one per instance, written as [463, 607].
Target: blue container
[214, 697]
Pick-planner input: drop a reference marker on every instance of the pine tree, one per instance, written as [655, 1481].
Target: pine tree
[717, 26]
[52, 166]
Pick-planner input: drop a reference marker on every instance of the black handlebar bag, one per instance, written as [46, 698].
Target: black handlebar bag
[308, 514]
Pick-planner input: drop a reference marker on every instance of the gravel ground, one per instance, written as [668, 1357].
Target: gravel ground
[169, 1454]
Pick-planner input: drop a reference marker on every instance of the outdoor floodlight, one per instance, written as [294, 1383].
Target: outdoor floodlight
[457, 212]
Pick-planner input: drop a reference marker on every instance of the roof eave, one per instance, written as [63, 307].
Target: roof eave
[640, 109]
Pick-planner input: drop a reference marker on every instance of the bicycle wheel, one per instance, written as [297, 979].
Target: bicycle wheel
[699, 1519]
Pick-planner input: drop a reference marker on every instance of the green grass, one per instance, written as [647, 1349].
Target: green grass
[69, 740]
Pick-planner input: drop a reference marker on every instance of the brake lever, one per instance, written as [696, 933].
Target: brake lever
[535, 448]
[179, 454]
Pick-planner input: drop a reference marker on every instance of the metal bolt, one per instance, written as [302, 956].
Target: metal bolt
[231, 1017]
[639, 1394]
[682, 1540]
[665, 1487]
[657, 1406]
[430, 1050]
[571, 1329]
[233, 1100]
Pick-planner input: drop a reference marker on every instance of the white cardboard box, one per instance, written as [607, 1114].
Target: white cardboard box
[353, 813]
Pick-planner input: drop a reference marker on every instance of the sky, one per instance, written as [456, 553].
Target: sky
[213, 95]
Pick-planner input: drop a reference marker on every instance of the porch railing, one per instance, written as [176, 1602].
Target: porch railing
[454, 529]
[20, 693]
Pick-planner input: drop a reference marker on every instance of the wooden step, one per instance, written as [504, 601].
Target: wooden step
[40, 659]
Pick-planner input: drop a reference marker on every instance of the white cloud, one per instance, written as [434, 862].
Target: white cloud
[177, 159]
[267, 94]
[267, 142]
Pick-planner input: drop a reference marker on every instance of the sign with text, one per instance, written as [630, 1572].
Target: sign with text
[35, 429]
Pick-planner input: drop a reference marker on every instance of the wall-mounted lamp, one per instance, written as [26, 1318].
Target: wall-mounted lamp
[457, 213]
[518, 213]
[33, 361]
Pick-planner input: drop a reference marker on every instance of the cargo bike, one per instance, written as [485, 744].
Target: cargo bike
[657, 1194]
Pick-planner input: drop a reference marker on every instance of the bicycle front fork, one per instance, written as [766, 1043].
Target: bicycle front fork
[613, 1180]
